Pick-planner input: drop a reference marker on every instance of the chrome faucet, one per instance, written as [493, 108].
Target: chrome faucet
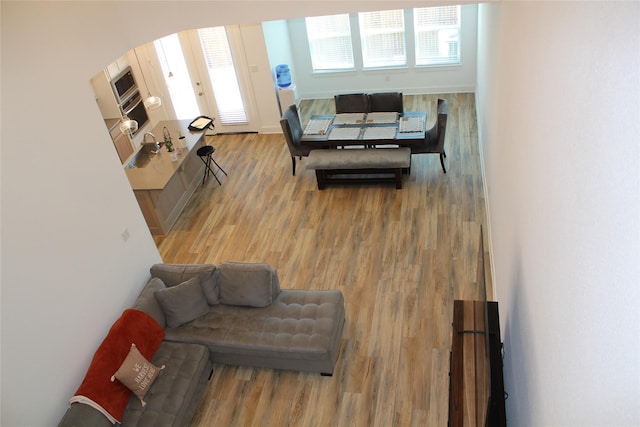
[155, 142]
[144, 139]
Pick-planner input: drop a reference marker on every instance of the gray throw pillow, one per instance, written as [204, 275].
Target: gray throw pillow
[148, 302]
[183, 303]
[174, 274]
[248, 284]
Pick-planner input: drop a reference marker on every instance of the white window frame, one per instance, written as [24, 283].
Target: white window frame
[413, 57]
[448, 38]
[321, 60]
[375, 40]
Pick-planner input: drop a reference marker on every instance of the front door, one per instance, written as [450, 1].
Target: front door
[200, 69]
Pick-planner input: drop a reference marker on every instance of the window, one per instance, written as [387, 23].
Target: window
[176, 76]
[437, 35]
[222, 73]
[382, 38]
[330, 42]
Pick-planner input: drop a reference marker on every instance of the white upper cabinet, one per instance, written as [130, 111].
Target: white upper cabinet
[117, 66]
[104, 95]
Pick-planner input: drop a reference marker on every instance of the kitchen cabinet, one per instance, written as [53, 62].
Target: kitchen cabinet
[106, 100]
[110, 110]
[123, 146]
[163, 186]
[117, 66]
[147, 205]
[122, 142]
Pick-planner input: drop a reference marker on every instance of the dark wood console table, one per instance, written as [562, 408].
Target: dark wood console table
[476, 388]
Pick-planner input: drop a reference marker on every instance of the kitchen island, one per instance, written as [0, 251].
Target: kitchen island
[164, 182]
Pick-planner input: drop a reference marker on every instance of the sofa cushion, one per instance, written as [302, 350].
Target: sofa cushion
[177, 393]
[247, 284]
[148, 303]
[300, 330]
[183, 303]
[175, 274]
[97, 390]
[137, 373]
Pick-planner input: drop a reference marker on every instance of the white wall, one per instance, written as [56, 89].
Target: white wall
[409, 80]
[261, 79]
[277, 39]
[558, 104]
[67, 273]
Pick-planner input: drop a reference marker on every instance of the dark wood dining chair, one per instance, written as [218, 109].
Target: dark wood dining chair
[352, 103]
[292, 129]
[435, 137]
[386, 101]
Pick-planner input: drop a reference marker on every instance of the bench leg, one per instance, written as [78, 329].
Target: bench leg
[321, 178]
[398, 174]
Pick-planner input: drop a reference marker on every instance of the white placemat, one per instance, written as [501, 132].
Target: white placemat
[317, 126]
[382, 132]
[348, 119]
[382, 117]
[411, 124]
[344, 133]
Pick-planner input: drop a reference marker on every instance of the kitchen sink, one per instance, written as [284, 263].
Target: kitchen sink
[143, 156]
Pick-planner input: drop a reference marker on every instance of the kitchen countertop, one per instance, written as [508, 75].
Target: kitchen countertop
[158, 171]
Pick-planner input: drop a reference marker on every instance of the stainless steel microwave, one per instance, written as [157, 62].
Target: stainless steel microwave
[124, 85]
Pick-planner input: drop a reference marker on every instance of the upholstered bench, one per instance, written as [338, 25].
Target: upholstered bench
[371, 165]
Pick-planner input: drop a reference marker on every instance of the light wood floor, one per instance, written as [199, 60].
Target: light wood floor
[399, 256]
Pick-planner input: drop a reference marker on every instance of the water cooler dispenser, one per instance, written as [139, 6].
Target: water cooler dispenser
[287, 94]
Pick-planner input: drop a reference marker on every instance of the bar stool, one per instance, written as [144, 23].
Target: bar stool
[205, 154]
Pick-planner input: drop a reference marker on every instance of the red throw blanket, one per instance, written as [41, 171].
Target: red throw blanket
[97, 390]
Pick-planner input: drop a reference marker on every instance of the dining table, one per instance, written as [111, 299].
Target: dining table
[365, 129]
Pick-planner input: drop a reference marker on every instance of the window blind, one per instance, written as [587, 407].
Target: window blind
[382, 38]
[222, 73]
[437, 35]
[330, 42]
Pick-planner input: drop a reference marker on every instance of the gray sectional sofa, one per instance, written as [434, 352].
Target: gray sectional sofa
[233, 313]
